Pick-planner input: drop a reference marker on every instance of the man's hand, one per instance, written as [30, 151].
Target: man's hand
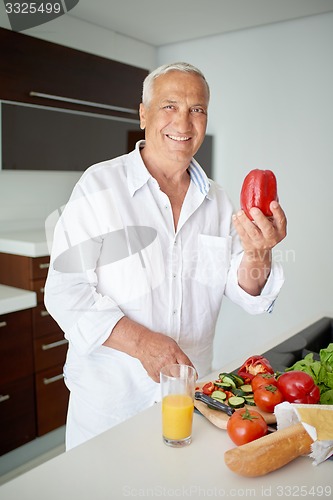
[258, 237]
[262, 233]
[153, 349]
[156, 350]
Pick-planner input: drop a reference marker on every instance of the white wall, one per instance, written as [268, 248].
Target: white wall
[272, 107]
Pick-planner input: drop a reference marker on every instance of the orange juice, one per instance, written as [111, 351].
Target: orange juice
[177, 414]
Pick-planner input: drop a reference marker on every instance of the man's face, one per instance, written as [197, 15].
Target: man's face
[175, 119]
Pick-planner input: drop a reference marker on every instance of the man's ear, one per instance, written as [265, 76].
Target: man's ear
[142, 114]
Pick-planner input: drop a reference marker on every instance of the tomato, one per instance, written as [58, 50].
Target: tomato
[263, 379]
[298, 387]
[208, 388]
[266, 397]
[246, 425]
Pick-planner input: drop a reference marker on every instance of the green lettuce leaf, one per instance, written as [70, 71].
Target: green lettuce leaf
[327, 397]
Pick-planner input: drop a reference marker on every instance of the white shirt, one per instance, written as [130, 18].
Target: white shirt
[116, 253]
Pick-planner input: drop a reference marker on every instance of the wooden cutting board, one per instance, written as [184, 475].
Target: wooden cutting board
[220, 419]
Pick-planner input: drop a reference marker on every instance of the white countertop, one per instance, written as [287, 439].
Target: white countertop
[130, 460]
[30, 242]
[15, 299]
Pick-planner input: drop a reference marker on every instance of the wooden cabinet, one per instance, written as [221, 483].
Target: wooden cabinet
[48, 348]
[84, 102]
[33, 65]
[17, 392]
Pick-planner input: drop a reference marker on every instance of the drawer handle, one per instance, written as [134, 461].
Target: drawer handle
[44, 313]
[46, 347]
[3, 323]
[44, 265]
[4, 398]
[50, 380]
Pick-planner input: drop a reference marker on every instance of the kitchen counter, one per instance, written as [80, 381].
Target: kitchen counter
[130, 460]
[14, 299]
[30, 243]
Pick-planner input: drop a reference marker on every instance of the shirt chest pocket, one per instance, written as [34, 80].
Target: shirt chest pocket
[214, 255]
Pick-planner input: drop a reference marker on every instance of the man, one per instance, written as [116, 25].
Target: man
[142, 256]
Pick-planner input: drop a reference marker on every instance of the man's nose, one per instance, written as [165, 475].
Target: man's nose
[183, 121]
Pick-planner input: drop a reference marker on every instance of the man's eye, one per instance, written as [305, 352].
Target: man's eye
[169, 106]
[198, 110]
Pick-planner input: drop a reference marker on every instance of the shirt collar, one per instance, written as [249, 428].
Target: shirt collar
[199, 178]
[138, 175]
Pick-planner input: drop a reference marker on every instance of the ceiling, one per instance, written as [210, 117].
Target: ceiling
[158, 22]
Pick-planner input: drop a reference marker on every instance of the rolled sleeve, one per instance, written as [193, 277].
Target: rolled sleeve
[95, 326]
[255, 304]
[86, 317]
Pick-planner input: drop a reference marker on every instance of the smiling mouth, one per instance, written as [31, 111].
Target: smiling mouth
[177, 138]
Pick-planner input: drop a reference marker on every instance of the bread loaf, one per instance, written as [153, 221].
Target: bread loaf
[270, 452]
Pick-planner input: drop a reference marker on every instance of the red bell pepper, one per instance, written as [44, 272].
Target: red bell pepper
[259, 189]
[298, 387]
[253, 366]
[208, 388]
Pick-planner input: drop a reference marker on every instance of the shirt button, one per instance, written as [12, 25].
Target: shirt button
[174, 275]
[174, 312]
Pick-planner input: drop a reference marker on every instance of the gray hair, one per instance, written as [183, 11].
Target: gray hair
[147, 90]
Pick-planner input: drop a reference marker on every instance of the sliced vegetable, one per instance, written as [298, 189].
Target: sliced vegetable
[228, 380]
[239, 381]
[253, 366]
[224, 385]
[249, 401]
[246, 425]
[247, 388]
[219, 396]
[236, 402]
[208, 388]
[239, 392]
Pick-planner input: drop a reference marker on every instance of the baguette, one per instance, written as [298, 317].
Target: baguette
[270, 452]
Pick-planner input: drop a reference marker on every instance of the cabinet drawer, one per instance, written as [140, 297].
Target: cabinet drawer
[40, 267]
[17, 414]
[43, 323]
[50, 351]
[19, 270]
[52, 400]
[15, 346]
[38, 287]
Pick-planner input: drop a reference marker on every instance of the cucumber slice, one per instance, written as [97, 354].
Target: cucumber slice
[239, 393]
[236, 402]
[247, 388]
[250, 402]
[224, 385]
[237, 379]
[219, 396]
[228, 380]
